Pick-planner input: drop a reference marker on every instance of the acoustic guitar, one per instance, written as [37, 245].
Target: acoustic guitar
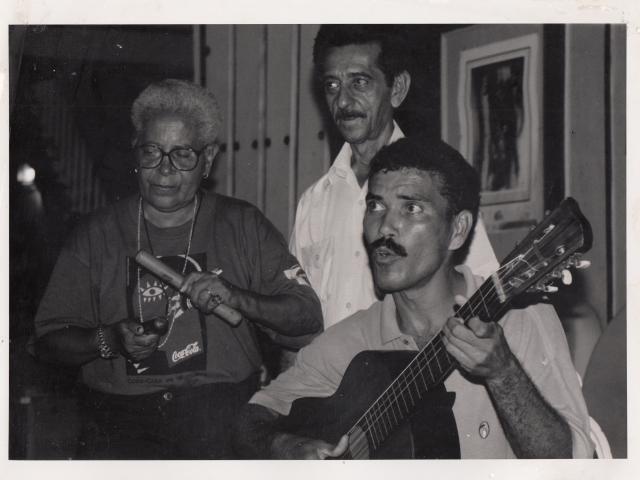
[394, 404]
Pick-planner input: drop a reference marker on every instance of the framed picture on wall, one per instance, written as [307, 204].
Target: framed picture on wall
[492, 113]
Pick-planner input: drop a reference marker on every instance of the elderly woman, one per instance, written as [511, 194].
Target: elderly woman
[171, 391]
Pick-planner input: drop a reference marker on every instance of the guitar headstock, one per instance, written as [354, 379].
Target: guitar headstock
[547, 253]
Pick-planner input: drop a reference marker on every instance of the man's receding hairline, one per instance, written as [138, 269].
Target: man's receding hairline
[375, 43]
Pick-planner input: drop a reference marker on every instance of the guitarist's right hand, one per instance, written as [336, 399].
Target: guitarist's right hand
[293, 447]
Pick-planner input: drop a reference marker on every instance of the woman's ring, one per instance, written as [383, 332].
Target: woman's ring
[214, 299]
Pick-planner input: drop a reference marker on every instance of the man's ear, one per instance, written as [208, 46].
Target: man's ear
[400, 88]
[209, 156]
[460, 229]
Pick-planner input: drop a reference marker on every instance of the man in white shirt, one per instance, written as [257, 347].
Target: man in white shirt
[363, 71]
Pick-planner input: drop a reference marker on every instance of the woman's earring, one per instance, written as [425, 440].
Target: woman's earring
[135, 170]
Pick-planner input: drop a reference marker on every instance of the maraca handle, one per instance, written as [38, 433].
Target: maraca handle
[175, 279]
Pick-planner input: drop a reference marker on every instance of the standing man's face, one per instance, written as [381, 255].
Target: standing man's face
[359, 99]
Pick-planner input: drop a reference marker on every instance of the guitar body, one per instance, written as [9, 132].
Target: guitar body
[367, 376]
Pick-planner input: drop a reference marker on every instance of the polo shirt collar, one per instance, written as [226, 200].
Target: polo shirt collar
[389, 329]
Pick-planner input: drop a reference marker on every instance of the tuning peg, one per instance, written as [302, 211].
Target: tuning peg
[567, 278]
[583, 264]
[549, 289]
[543, 286]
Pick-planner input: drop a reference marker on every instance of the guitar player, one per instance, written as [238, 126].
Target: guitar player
[514, 392]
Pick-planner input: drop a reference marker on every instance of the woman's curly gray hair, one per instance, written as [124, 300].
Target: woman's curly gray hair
[179, 97]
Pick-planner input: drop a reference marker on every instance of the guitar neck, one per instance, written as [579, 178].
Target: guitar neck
[428, 369]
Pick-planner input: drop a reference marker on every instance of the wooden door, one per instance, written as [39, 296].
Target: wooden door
[274, 143]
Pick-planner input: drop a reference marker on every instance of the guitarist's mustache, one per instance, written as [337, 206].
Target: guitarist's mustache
[387, 242]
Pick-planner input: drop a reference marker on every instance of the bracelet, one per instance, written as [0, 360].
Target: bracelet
[103, 346]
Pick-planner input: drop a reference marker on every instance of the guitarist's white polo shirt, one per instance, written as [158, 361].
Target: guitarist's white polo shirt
[534, 334]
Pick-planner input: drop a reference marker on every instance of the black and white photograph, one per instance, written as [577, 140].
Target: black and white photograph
[239, 240]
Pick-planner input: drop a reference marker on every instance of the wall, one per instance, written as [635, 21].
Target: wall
[617, 213]
[585, 149]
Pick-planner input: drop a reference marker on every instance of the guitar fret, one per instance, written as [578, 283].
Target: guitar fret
[387, 407]
[482, 300]
[372, 430]
[385, 430]
[415, 371]
[420, 372]
[433, 378]
[435, 356]
[404, 400]
[382, 421]
[396, 409]
[411, 400]
[401, 379]
[444, 360]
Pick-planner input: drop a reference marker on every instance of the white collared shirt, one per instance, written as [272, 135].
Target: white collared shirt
[327, 240]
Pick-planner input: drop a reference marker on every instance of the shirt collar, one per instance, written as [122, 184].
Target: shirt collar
[389, 329]
[342, 164]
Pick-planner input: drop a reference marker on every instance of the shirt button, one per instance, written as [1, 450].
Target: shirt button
[483, 430]
[357, 253]
[348, 305]
[405, 341]
[168, 396]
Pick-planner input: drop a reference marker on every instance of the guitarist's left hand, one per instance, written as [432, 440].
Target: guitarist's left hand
[479, 347]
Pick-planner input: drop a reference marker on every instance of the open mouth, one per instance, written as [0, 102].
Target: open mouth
[383, 255]
[350, 119]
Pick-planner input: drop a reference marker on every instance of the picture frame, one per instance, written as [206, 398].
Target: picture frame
[492, 94]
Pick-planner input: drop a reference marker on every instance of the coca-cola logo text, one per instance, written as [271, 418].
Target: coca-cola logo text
[187, 351]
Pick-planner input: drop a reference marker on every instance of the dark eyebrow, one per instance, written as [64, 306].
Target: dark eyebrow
[419, 198]
[359, 74]
[329, 76]
[372, 196]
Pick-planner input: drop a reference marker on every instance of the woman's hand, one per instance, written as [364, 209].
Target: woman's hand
[207, 290]
[129, 338]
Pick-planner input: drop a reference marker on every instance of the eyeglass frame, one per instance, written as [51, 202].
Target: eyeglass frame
[168, 155]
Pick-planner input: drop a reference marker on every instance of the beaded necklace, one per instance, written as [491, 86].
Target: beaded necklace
[142, 220]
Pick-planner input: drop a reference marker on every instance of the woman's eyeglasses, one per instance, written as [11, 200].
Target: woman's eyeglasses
[181, 158]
